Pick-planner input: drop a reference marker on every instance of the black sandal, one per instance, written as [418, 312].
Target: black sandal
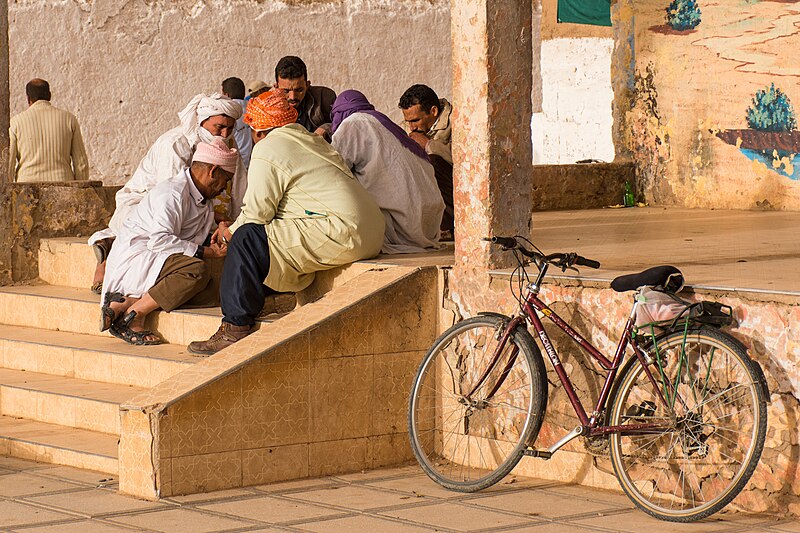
[107, 319]
[125, 320]
[137, 338]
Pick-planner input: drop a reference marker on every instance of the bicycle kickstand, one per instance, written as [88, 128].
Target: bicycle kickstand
[548, 453]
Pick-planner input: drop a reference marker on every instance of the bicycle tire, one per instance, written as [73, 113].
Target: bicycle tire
[467, 448]
[714, 443]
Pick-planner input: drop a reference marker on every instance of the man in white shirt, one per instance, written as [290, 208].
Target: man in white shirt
[233, 88]
[157, 259]
[205, 117]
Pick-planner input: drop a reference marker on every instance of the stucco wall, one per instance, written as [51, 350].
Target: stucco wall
[575, 120]
[126, 67]
[572, 94]
[690, 89]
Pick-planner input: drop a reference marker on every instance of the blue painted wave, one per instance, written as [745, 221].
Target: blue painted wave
[768, 159]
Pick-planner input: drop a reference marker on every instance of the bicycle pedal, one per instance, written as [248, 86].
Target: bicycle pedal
[541, 454]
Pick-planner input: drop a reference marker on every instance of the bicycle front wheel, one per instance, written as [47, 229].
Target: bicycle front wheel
[711, 426]
[465, 440]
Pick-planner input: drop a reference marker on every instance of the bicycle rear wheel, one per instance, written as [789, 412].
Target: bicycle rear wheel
[467, 444]
[714, 426]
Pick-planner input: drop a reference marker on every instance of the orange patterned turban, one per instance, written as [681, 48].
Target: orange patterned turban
[269, 110]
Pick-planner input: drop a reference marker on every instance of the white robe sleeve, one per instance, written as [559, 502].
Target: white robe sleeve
[166, 223]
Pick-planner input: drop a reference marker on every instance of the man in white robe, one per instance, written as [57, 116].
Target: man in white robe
[157, 259]
[393, 169]
[205, 117]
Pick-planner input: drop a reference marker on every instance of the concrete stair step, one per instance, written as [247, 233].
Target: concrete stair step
[51, 443]
[67, 261]
[63, 400]
[59, 308]
[90, 357]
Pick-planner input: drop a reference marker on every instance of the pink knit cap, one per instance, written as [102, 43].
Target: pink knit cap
[217, 153]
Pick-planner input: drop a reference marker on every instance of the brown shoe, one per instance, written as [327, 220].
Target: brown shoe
[226, 335]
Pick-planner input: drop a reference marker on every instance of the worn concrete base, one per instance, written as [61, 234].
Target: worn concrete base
[32, 211]
[585, 186]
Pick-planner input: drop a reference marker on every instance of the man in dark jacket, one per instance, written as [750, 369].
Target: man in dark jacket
[313, 103]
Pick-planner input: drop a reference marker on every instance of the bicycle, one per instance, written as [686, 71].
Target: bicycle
[684, 416]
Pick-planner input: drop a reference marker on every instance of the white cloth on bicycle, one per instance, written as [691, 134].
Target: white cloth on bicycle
[655, 306]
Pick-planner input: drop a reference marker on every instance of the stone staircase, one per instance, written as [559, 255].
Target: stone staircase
[61, 380]
[320, 391]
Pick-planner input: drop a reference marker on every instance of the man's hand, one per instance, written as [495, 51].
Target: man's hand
[320, 131]
[420, 138]
[215, 250]
[221, 231]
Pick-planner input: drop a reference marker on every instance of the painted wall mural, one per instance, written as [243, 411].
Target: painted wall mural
[771, 137]
[712, 117]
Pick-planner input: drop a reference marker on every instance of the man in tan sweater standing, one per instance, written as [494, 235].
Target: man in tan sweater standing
[45, 142]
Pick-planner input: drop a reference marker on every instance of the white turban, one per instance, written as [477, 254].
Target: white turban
[202, 107]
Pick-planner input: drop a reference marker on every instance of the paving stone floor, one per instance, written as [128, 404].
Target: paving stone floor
[45, 497]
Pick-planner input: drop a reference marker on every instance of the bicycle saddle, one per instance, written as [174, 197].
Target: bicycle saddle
[666, 277]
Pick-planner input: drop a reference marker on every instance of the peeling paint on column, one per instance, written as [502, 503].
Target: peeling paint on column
[492, 82]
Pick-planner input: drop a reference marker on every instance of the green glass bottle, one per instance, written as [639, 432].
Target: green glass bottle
[627, 198]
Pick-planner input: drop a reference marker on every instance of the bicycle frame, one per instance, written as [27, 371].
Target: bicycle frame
[590, 424]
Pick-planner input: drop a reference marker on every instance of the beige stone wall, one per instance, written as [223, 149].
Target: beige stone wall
[34, 211]
[684, 96]
[322, 391]
[126, 67]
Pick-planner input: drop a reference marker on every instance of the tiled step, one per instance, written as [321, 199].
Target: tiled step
[75, 310]
[62, 400]
[90, 357]
[51, 443]
[68, 261]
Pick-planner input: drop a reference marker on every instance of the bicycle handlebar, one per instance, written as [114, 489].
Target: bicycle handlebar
[561, 260]
[505, 242]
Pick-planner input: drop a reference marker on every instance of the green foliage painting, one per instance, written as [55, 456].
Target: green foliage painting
[683, 15]
[771, 111]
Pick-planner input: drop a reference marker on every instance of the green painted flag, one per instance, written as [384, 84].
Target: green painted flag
[595, 12]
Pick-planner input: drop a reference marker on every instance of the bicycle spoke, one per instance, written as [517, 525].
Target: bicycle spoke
[713, 447]
[473, 439]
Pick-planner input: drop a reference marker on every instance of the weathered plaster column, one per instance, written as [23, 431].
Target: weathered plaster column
[623, 70]
[5, 105]
[492, 83]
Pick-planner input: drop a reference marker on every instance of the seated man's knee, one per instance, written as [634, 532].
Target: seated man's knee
[200, 272]
[247, 232]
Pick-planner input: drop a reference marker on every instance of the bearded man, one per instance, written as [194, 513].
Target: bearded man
[204, 118]
[158, 258]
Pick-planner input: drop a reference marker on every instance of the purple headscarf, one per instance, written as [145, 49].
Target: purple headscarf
[352, 101]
